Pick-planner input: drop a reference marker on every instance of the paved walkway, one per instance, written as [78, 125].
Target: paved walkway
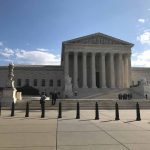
[68, 133]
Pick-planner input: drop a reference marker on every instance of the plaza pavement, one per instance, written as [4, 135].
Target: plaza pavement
[68, 133]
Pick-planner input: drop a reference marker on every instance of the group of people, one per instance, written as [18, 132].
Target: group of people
[125, 96]
[53, 97]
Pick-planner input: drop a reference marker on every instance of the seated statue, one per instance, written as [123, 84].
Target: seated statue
[68, 86]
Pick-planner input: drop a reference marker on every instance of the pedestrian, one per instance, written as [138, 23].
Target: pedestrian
[146, 96]
[50, 97]
[55, 97]
[42, 102]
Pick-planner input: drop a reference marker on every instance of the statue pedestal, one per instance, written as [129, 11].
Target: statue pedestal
[9, 96]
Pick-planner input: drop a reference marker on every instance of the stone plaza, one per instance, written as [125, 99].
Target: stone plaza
[68, 133]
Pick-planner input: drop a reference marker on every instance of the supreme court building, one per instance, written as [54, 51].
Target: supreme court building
[93, 62]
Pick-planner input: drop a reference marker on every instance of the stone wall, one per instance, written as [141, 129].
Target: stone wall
[30, 72]
[140, 73]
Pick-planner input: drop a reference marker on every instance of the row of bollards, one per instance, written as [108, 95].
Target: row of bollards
[97, 111]
[138, 116]
[13, 109]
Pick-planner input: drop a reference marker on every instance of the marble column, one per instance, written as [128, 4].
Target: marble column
[120, 70]
[129, 70]
[75, 79]
[103, 71]
[112, 75]
[66, 63]
[84, 70]
[93, 71]
[126, 71]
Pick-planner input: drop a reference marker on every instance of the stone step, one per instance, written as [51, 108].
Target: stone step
[86, 104]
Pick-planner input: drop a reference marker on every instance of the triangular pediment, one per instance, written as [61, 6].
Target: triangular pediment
[97, 38]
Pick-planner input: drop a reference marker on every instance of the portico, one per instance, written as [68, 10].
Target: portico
[98, 61]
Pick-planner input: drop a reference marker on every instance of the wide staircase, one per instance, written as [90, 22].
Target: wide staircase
[97, 93]
[87, 98]
[86, 104]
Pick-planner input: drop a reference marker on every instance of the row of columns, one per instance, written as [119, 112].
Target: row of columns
[123, 70]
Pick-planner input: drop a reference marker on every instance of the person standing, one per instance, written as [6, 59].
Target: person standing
[55, 97]
[42, 102]
[146, 96]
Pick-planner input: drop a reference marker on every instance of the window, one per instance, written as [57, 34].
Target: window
[59, 82]
[43, 82]
[27, 82]
[35, 82]
[18, 82]
[51, 82]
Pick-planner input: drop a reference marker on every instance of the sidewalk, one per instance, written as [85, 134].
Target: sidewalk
[33, 133]
[68, 133]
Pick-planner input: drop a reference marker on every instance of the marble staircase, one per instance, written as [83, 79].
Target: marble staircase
[86, 104]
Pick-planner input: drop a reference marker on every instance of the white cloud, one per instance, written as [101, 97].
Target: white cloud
[141, 20]
[144, 38]
[42, 49]
[36, 57]
[1, 43]
[33, 57]
[141, 59]
[6, 52]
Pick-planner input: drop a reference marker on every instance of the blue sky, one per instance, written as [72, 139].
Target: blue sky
[31, 31]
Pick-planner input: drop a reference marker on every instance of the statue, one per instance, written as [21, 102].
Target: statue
[9, 92]
[11, 71]
[68, 86]
[10, 82]
[143, 81]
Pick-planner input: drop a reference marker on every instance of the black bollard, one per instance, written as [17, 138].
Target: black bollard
[43, 110]
[60, 111]
[78, 111]
[138, 116]
[0, 108]
[117, 111]
[96, 112]
[27, 110]
[13, 109]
